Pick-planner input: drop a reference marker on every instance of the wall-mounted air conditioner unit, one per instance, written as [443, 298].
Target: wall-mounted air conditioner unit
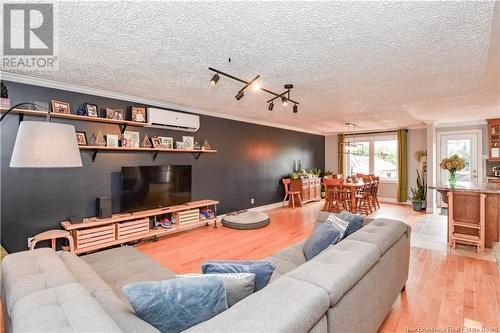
[167, 119]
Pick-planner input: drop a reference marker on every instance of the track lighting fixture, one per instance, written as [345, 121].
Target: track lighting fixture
[284, 101]
[270, 106]
[295, 108]
[239, 95]
[215, 79]
[256, 86]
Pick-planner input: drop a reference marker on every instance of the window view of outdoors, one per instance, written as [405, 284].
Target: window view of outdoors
[359, 159]
[386, 159]
[462, 148]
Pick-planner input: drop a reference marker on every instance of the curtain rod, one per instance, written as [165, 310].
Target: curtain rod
[376, 132]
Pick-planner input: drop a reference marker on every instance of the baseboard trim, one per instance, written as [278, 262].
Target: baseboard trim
[393, 201]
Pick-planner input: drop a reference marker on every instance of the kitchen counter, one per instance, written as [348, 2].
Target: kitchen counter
[493, 188]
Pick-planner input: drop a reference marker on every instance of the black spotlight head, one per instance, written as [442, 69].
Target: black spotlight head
[271, 106]
[288, 86]
[284, 101]
[239, 95]
[214, 79]
[295, 108]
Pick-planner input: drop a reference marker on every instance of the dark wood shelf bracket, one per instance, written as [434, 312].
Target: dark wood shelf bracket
[123, 127]
[155, 154]
[94, 155]
[196, 155]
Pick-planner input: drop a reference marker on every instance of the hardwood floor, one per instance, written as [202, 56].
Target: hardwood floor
[445, 292]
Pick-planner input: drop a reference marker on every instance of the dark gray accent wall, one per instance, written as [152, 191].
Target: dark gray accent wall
[250, 162]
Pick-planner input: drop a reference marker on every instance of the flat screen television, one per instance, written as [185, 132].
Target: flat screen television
[147, 187]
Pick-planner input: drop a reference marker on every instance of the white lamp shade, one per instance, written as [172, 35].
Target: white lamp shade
[45, 145]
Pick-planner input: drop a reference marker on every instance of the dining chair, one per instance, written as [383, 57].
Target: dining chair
[364, 197]
[334, 198]
[374, 192]
[290, 194]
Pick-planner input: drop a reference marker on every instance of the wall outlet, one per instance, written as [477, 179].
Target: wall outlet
[252, 201]
[29, 241]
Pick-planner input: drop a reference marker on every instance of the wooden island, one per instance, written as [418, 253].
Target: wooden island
[473, 213]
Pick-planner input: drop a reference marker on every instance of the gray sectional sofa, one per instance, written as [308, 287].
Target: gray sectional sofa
[349, 287]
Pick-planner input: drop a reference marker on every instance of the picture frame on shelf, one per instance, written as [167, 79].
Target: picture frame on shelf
[155, 142]
[111, 140]
[138, 114]
[81, 138]
[188, 142]
[116, 114]
[60, 107]
[179, 145]
[132, 139]
[91, 110]
[146, 142]
[167, 142]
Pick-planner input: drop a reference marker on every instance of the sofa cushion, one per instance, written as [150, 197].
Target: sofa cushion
[293, 253]
[123, 265]
[119, 310]
[382, 232]
[327, 233]
[355, 221]
[339, 267]
[43, 296]
[263, 270]
[176, 304]
[238, 285]
[286, 305]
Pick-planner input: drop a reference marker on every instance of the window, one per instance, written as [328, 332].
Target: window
[386, 159]
[360, 158]
[375, 155]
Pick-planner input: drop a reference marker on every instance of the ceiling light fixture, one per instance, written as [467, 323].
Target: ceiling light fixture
[215, 79]
[256, 86]
[270, 106]
[295, 108]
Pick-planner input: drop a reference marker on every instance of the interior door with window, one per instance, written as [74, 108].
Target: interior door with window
[466, 146]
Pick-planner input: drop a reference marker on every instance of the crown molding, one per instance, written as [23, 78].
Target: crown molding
[461, 124]
[26, 79]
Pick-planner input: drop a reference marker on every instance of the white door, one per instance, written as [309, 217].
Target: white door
[466, 145]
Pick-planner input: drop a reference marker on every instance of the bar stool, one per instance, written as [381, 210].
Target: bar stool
[290, 194]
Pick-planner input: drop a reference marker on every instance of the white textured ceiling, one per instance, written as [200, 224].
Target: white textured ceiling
[377, 64]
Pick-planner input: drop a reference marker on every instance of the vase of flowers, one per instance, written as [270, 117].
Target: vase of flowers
[453, 164]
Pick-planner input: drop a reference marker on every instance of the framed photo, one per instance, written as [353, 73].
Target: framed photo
[81, 138]
[91, 110]
[166, 142]
[188, 142]
[114, 114]
[139, 114]
[156, 142]
[112, 140]
[179, 145]
[131, 139]
[60, 107]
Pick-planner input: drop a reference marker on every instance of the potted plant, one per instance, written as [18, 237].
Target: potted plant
[419, 193]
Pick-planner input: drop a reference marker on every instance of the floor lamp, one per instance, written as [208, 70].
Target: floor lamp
[44, 144]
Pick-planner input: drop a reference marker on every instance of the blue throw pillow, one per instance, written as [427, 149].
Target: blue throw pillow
[262, 269]
[355, 222]
[327, 233]
[174, 305]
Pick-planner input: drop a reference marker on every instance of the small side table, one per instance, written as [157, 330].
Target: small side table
[52, 235]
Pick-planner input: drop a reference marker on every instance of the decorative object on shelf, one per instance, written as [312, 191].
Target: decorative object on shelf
[80, 111]
[197, 146]
[206, 145]
[133, 138]
[116, 114]
[111, 140]
[254, 83]
[146, 143]
[44, 144]
[81, 138]
[453, 164]
[188, 142]
[155, 141]
[98, 140]
[139, 114]
[166, 142]
[179, 145]
[60, 107]
[4, 96]
[91, 110]
[41, 106]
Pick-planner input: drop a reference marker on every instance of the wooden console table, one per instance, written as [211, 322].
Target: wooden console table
[127, 227]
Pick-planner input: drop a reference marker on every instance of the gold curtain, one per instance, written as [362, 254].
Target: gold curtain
[402, 165]
[341, 154]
